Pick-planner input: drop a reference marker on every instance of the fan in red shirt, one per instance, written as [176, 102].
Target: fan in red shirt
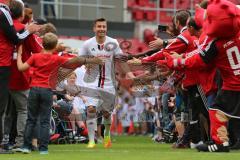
[19, 81]
[40, 96]
[223, 52]
[185, 43]
[8, 38]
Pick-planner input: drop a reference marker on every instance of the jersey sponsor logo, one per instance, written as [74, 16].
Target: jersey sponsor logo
[103, 56]
[110, 46]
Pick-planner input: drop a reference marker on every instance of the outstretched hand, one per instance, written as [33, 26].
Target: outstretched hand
[168, 61]
[171, 62]
[157, 43]
[134, 61]
[32, 28]
[94, 60]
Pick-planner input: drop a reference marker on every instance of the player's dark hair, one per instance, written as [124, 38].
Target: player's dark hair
[16, 9]
[182, 16]
[192, 23]
[99, 20]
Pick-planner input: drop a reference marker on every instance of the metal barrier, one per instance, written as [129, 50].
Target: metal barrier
[59, 4]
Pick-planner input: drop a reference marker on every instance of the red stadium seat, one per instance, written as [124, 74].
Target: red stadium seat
[168, 4]
[130, 4]
[138, 14]
[165, 17]
[183, 4]
[150, 15]
[142, 3]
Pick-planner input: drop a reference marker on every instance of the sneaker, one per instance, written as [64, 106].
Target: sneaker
[100, 140]
[91, 145]
[213, 147]
[19, 149]
[43, 152]
[194, 145]
[155, 137]
[167, 132]
[26, 151]
[159, 140]
[107, 142]
[7, 146]
[180, 144]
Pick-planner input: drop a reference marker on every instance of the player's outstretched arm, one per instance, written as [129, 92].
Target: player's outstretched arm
[84, 60]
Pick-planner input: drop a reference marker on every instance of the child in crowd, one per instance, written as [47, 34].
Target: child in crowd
[77, 101]
[40, 96]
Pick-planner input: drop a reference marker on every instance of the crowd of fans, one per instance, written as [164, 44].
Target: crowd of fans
[181, 112]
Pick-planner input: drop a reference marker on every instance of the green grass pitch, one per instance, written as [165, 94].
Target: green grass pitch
[124, 148]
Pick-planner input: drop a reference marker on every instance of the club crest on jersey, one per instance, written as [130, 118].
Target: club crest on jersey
[93, 49]
[110, 46]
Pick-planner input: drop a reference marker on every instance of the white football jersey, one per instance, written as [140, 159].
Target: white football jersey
[101, 76]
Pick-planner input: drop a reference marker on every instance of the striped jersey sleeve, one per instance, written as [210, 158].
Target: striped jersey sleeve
[8, 29]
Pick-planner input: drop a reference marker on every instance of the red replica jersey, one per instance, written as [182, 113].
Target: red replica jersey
[43, 65]
[203, 76]
[183, 43]
[207, 76]
[225, 55]
[8, 36]
[21, 80]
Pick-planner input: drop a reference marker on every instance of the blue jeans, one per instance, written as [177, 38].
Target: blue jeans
[39, 104]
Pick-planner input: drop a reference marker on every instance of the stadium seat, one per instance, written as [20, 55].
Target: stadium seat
[138, 14]
[150, 15]
[130, 4]
[165, 17]
[168, 4]
[183, 4]
[142, 3]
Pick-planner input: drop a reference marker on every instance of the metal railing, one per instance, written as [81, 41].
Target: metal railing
[59, 4]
